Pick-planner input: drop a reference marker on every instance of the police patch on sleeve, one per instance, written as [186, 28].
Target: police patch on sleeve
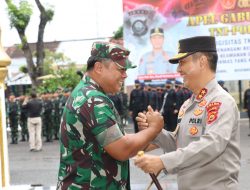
[212, 111]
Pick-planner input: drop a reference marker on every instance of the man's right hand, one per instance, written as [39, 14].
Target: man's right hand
[142, 121]
[154, 119]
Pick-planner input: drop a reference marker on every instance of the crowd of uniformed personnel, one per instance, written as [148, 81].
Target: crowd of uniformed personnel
[16, 116]
[166, 99]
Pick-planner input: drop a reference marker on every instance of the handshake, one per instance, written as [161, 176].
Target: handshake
[150, 119]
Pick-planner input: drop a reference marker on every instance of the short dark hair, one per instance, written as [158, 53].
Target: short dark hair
[33, 95]
[92, 60]
[212, 58]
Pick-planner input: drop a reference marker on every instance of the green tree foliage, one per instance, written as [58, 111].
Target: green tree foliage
[61, 72]
[20, 13]
[19, 16]
[23, 69]
[118, 34]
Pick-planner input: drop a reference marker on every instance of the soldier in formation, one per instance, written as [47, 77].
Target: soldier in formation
[13, 116]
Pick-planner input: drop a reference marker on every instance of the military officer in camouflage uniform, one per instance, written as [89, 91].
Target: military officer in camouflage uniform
[204, 150]
[48, 120]
[13, 119]
[56, 115]
[23, 120]
[94, 148]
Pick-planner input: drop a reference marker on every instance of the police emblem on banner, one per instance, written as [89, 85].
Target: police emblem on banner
[139, 27]
[228, 4]
[139, 19]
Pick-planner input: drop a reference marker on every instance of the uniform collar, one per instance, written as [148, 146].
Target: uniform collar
[88, 80]
[206, 90]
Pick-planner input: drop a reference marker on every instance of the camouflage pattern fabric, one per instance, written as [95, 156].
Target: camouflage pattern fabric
[13, 121]
[56, 117]
[89, 122]
[115, 52]
[23, 123]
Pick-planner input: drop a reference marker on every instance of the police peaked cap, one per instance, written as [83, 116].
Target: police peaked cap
[137, 81]
[178, 82]
[157, 31]
[192, 45]
[168, 82]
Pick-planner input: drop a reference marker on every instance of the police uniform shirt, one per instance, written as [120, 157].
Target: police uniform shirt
[155, 63]
[205, 148]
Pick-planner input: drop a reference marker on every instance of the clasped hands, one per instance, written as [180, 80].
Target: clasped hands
[150, 119]
[149, 163]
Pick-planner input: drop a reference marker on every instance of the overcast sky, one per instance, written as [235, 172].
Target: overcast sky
[73, 20]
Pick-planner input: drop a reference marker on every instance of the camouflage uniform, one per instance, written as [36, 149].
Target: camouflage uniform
[13, 120]
[48, 122]
[23, 121]
[89, 123]
[56, 115]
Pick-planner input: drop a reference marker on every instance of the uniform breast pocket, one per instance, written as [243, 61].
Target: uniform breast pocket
[194, 131]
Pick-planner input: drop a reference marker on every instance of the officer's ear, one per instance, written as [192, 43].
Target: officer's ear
[203, 62]
[98, 66]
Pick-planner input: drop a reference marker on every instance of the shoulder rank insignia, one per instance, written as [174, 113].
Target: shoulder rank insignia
[198, 112]
[212, 111]
[202, 103]
[193, 130]
[202, 93]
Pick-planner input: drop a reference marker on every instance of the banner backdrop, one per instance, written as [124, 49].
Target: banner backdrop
[227, 20]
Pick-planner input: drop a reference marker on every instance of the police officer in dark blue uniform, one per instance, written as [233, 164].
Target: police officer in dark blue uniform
[152, 98]
[137, 102]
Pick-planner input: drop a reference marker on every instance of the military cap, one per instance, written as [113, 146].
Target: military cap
[156, 31]
[178, 82]
[137, 81]
[192, 45]
[112, 51]
[168, 82]
[221, 82]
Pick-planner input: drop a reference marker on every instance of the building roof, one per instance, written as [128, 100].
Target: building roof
[16, 52]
